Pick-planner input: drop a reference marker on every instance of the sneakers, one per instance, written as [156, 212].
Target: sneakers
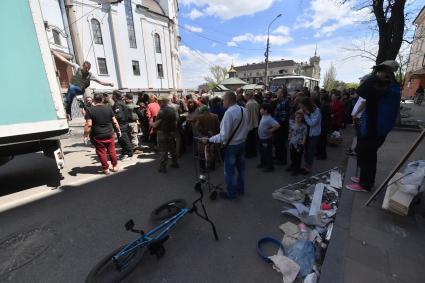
[355, 180]
[356, 188]
[162, 170]
[267, 170]
[126, 158]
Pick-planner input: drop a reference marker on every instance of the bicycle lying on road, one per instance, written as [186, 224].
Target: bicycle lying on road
[122, 261]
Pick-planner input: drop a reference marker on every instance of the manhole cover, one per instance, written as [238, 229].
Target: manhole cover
[22, 248]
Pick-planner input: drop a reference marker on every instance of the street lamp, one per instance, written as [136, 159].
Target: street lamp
[266, 54]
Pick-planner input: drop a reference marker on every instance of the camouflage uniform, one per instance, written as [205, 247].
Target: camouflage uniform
[166, 135]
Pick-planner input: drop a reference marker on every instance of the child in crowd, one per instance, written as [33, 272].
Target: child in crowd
[265, 132]
[297, 138]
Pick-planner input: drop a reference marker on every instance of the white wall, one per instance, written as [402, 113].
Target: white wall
[116, 46]
[52, 14]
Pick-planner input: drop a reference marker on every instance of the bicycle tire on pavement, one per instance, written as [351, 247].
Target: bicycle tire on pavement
[106, 271]
[168, 209]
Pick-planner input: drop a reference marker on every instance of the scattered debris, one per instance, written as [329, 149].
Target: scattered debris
[314, 202]
[286, 266]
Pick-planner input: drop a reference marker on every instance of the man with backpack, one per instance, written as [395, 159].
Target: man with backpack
[121, 114]
[382, 94]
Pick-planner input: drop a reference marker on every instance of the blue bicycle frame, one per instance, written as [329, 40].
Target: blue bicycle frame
[160, 231]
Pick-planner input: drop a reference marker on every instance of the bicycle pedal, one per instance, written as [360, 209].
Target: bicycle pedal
[129, 225]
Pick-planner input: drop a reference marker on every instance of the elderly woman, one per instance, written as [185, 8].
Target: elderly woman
[206, 125]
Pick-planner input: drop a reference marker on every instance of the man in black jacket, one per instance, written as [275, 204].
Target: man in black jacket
[121, 114]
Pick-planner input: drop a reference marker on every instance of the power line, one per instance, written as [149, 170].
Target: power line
[218, 41]
[202, 57]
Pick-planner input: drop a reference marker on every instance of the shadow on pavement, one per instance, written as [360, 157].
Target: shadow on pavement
[28, 171]
[95, 169]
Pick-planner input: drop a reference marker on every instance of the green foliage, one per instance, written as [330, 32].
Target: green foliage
[351, 85]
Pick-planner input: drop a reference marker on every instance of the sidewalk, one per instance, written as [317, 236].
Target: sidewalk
[370, 244]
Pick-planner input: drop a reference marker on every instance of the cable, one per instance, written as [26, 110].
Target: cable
[202, 57]
[217, 41]
[67, 27]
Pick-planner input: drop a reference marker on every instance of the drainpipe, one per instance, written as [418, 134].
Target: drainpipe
[171, 28]
[65, 24]
[73, 31]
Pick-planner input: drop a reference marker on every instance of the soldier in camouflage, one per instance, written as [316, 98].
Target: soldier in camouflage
[166, 124]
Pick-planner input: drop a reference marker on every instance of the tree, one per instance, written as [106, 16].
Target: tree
[352, 85]
[390, 19]
[218, 74]
[390, 22]
[329, 80]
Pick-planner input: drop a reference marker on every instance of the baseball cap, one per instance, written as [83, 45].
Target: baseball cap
[162, 97]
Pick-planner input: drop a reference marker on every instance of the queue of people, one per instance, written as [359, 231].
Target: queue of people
[239, 125]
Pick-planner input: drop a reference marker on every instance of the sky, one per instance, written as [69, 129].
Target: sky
[222, 32]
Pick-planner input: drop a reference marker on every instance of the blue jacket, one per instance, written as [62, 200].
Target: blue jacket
[382, 105]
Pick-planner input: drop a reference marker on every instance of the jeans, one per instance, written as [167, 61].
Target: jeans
[234, 160]
[105, 147]
[367, 158]
[251, 144]
[296, 157]
[310, 151]
[280, 139]
[73, 90]
[266, 153]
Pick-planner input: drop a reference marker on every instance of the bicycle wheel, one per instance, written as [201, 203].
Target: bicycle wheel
[168, 209]
[106, 270]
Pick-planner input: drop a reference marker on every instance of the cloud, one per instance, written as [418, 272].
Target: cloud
[283, 30]
[194, 14]
[193, 28]
[326, 16]
[226, 10]
[195, 66]
[277, 40]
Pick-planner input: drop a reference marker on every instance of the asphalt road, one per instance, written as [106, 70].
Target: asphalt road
[74, 226]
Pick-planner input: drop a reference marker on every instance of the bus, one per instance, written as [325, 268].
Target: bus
[293, 83]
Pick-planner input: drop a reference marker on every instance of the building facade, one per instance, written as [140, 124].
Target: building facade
[255, 73]
[133, 44]
[415, 75]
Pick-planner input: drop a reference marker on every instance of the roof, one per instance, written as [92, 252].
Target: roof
[294, 77]
[153, 6]
[272, 64]
[419, 15]
[252, 86]
[233, 81]
[232, 69]
[221, 87]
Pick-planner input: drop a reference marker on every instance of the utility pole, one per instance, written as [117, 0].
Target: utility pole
[72, 20]
[266, 54]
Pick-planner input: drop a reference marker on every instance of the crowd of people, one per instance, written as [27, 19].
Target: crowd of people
[241, 125]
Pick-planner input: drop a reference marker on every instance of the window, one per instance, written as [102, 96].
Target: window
[160, 70]
[130, 23]
[103, 68]
[157, 43]
[136, 68]
[56, 37]
[97, 32]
